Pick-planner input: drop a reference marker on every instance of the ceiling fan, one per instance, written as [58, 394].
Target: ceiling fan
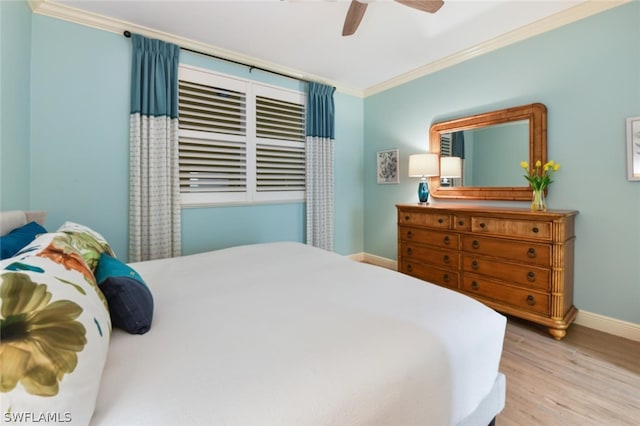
[357, 9]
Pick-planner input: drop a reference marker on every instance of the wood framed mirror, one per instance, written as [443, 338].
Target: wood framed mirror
[491, 146]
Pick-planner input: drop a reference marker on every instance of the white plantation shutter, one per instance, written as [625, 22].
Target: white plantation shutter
[209, 165]
[280, 148]
[280, 168]
[446, 148]
[239, 141]
[211, 109]
[278, 119]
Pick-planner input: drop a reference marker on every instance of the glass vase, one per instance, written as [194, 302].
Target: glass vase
[538, 204]
[423, 192]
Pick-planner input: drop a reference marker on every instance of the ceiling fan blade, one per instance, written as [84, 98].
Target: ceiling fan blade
[354, 16]
[431, 6]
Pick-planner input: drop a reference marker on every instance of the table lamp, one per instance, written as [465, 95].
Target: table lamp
[450, 167]
[423, 166]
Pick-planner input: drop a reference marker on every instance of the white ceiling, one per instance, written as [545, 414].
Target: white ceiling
[303, 37]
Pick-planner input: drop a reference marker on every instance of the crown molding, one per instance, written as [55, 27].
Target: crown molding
[583, 10]
[77, 16]
[580, 11]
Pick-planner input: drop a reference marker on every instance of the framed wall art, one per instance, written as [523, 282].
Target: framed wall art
[387, 166]
[633, 148]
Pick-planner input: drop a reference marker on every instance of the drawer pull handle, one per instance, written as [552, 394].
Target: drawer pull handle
[447, 240]
[409, 268]
[409, 234]
[446, 278]
[475, 264]
[446, 258]
[461, 222]
[407, 217]
[475, 244]
[531, 253]
[531, 276]
[440, 220]
[482, 225]
[531, 300]
[535, 230]
[409, 251]
[474, 285]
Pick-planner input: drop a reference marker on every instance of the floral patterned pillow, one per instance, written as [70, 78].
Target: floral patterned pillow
[88, 242]
[54, 333]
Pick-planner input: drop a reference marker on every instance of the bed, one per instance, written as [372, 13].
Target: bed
[288, 334]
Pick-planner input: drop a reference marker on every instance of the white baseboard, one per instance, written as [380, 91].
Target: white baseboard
[609, 325]
[374, 260]
[381, 261]
[614, 326]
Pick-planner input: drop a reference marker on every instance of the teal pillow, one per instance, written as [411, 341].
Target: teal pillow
[130, 300]
[15, 240]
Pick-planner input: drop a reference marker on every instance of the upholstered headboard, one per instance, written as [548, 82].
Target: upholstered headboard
[10, 220]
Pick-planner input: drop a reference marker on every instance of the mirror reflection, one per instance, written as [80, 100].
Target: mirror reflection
[488, 148]
[489, 156]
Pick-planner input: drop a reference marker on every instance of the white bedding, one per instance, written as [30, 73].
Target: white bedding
[287, 334]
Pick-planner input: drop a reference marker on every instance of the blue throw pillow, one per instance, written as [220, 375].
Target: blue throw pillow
[130, 301]
[11, 243]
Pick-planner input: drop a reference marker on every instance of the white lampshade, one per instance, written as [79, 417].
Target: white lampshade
[424, 165]
[450, 167]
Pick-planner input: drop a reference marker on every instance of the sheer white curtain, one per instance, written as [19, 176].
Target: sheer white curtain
[319, 179]
[154, 193]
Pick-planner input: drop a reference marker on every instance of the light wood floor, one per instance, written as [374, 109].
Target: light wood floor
[588, 378]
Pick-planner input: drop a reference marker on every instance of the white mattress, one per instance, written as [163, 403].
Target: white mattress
[287, 334]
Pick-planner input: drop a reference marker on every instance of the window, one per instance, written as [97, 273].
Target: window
[239, 141]
[445, 145]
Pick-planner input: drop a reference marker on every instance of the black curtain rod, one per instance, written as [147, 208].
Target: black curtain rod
[127, 34]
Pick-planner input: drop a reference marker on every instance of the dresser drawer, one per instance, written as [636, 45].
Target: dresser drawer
[432, 220]
[440, 276]
[532, 253]
[426, 236]
[514, 260]
[524, 275]
[431, 255]
[520, 298]
[462, 223]
[539, 230]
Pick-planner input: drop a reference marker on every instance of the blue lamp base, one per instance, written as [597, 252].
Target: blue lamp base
[423, 191]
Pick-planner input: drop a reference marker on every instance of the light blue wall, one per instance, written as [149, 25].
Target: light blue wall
[587, 73]
[15, 48]
[349, 175]
[79, 147]
[588, 76]
[496, 161]
[80, 128]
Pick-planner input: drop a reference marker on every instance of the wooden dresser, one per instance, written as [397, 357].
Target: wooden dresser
[516, 261]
